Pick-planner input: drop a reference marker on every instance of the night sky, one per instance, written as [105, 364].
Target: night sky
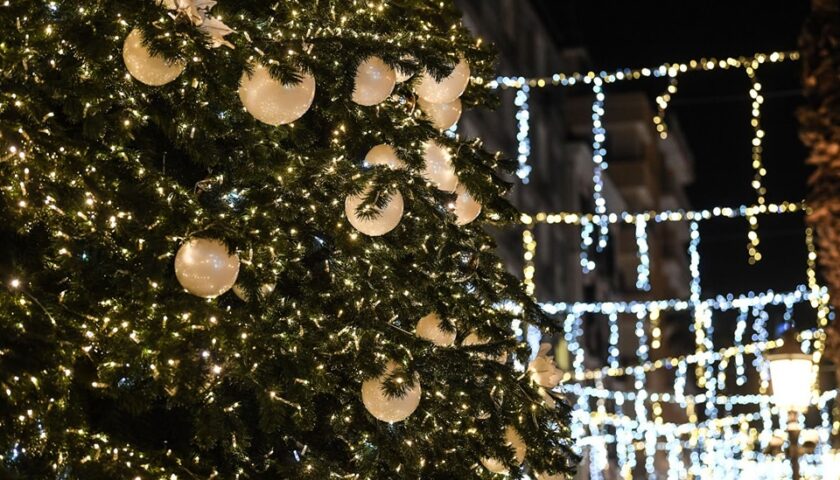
[714, 111]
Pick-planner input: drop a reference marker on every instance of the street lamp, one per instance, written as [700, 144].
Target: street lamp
[792, 376]
[831, 466]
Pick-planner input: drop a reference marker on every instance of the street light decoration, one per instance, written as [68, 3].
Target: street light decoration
[792, 374]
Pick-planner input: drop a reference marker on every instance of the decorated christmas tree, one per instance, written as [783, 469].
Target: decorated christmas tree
[239, 242]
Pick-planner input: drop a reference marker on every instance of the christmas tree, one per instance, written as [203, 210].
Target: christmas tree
[240, 244]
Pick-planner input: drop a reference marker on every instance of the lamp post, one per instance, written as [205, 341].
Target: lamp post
[792, 377]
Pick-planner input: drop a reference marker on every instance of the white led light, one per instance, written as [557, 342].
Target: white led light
[719, 445]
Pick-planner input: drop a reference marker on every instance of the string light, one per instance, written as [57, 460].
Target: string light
[723, 441]
[668, 70]
[599, 153]
[530, 247]
[569, 218]
[662, 103]
[523, 136]
[47, 188]
[643, 248]
[720, 303]
[672, 69]
[680, 362]
[757, 159]
[694, 266]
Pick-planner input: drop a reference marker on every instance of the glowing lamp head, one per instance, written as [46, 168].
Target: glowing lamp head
[831, 465]
[792, 374]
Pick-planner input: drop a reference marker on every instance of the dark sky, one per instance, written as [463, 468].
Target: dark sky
[714, 110]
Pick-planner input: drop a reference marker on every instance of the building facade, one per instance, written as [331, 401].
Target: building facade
[645, 174]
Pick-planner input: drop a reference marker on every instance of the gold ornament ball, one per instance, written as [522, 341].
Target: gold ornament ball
[382, 222]
[272, 102]
[146, 68]
[375, 81]
[438, 168]
[429, 328]
[443, 115]
[386, 408]
[513, 439]
[205, 268]
[466, 208]
[384, 155]
[448, 89]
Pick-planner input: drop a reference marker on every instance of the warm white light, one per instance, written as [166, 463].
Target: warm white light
[793, 379]
[831, 466]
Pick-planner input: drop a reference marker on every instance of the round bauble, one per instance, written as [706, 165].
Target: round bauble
[404, 75]
[429, 328]
[466, 209]
[443, 115]
[390, 409]
[272, 102]
[513, 439]
[383, 220]
[438, 169]
[448, 89]
[474, 339]
[150, 69]
[205, 267]
[543, 369]
[384, 155]
[240, 292]
[375, 81]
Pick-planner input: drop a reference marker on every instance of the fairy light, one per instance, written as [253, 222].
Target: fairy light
[723, 439]
[643, 249]
[587, 264]
[757, 159]
[640, 385]
[530, 245]
[613, 351]
[599, 153]
[656, 329]
[523, 136]
[694, 266]
[673, 216]
[632, 74]
[707, 357]
[662, 103]
[821, 303]
[740, 329]
[672, 71]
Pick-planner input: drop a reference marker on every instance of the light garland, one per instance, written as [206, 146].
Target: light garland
[720, 303]
[643, 270]
[668, 70]
[723, 441]
[523, 121]
[672, 69]
[707, 357]
[599, 153]
[757, 160]
[663, 102]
